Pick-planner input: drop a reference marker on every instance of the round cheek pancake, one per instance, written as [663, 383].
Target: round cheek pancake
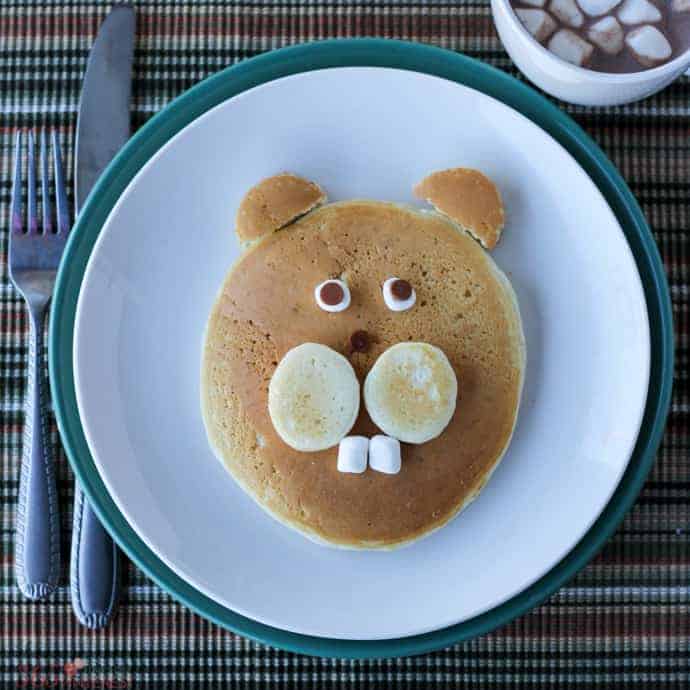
[465, 306]
[313, 397]
[411, 391]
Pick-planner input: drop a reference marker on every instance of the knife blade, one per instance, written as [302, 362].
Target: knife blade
[103, 126]
[103, 123]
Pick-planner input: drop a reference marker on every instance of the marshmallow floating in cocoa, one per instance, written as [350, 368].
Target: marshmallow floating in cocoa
[568, 46]
[648, 45]
[567, 12]
[595, 8]
[539, 23]
[638, 11]
[589, 33]
[607, 34]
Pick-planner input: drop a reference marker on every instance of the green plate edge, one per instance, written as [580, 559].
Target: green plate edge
[346, 53]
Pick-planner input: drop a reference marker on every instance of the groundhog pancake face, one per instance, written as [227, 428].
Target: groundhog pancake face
[363, 363]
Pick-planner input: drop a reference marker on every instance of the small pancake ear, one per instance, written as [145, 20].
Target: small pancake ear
[275, 202]
[469, 198]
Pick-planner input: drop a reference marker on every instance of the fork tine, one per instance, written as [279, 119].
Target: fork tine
[60, 192]
[17, 224]
[45, 188]
[32, 217]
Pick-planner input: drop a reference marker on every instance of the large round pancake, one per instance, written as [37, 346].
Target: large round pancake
[465, 306]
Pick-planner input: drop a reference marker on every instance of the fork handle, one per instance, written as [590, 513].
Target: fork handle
[95, 567]
[37, 551]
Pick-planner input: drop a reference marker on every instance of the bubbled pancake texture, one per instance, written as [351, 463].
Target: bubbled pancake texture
[313, 397]
[275, 202]
[267, 306]
[470, 198]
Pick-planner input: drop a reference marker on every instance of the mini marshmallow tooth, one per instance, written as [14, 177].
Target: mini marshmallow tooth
[607, 34]
[570, 47]
[681, 5]
[595, 8]
[568, 12]
[384, 454]
[638, 11]
[539, 23]
[648, 45]
[352, 454]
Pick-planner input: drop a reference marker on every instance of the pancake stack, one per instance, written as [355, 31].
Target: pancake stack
[464, 307]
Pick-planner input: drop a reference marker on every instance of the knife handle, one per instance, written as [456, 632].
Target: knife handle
[95, 567]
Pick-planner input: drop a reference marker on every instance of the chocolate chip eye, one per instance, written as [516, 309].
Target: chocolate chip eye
[398, 294]
[332, 295]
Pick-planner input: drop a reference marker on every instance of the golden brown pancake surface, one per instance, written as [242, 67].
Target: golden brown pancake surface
[275, 202]
[470, 198]
[464, 305]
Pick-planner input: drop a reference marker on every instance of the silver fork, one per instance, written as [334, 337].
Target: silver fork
[34, 256]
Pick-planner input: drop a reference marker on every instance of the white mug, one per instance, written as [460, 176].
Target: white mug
[570, 82]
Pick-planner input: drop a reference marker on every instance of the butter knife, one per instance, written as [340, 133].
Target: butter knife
[103, 126]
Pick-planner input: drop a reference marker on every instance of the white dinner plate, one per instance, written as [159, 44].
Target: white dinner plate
[360, 132]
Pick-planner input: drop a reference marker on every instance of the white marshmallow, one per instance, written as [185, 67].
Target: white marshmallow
[539, 23]
[648, 45]
[341, 306]
[384, 454]
[681, 5]
[638, 11]
[607, 34]
[352, 454]
[568, 12]
[595, 8]
[570, 47]
[392, 302]
[534, 3]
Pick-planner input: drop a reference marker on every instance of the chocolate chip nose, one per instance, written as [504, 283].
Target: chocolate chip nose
[359, 341]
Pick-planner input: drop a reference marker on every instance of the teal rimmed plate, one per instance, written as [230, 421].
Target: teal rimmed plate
[96, 235]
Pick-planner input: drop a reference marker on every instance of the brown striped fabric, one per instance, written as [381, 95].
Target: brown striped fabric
[624, 622]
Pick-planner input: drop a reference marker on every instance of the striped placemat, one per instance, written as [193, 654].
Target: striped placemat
[623, 622]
